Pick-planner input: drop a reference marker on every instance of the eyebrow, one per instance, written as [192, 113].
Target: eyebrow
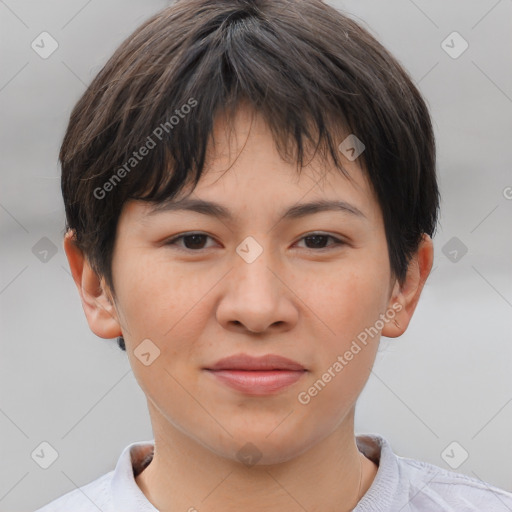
[217, 210]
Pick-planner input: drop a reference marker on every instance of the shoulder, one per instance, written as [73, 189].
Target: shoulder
[411, 485]
[430, 487]
[91, 497]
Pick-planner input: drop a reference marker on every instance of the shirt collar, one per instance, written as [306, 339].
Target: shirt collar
[381, 494]
[126, 494]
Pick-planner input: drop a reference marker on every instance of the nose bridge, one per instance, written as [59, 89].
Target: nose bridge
[254, 297]
[252, 268]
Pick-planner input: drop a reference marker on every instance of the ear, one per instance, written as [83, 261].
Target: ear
[97, 302]
[405, 298]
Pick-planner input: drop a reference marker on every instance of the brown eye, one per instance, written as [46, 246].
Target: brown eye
[192, 241]
[196, 241]
[318, 241]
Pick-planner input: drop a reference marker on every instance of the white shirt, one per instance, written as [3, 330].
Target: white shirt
[401, 484]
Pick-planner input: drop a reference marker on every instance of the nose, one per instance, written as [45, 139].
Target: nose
[257, 297]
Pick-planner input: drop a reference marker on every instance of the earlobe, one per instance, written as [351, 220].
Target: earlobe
[395, 326]
[97, 304]
[408, 295]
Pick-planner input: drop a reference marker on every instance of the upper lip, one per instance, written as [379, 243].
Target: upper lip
[247, 362]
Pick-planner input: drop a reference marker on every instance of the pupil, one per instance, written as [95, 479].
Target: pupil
[196, 239]
[317, 238]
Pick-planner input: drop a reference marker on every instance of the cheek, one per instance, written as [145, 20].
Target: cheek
[347, 301]
[168, 306]
[346, 306]
[165, 303]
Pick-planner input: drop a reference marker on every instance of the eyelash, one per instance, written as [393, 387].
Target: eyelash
[337, 241]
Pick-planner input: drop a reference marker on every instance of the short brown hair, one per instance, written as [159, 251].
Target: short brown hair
[310, 70]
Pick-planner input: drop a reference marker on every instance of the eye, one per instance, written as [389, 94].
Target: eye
[196, 241]
[192, 241]
[317, 240]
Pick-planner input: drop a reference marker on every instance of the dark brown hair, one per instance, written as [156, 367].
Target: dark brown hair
[311, 71]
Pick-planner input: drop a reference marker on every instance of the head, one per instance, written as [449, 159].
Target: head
[253, 105]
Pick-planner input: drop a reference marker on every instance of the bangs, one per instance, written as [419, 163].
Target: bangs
[309, 97]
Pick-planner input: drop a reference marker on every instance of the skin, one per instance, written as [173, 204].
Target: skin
[296, 300]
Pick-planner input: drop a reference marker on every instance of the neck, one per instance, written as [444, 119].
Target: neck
[330, 476]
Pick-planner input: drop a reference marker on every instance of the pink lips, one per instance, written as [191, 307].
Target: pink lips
[257, 375]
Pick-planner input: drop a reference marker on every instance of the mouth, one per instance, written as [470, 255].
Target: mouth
[263, 375]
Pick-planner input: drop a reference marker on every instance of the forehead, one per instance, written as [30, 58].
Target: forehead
[244, 170]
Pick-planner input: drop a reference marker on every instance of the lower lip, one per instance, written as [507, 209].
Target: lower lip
[258, 382]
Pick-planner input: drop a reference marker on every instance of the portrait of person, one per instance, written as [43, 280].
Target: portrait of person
[281, 270]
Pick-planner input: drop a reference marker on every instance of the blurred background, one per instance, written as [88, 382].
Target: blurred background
[441, 393]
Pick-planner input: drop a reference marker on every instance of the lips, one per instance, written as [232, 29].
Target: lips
[265, 375]
[251, 363]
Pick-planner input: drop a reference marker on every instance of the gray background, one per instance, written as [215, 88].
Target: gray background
[448, 378]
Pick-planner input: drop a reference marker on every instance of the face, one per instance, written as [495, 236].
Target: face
[199, 287]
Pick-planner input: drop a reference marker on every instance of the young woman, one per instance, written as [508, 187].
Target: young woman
[250, 196]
